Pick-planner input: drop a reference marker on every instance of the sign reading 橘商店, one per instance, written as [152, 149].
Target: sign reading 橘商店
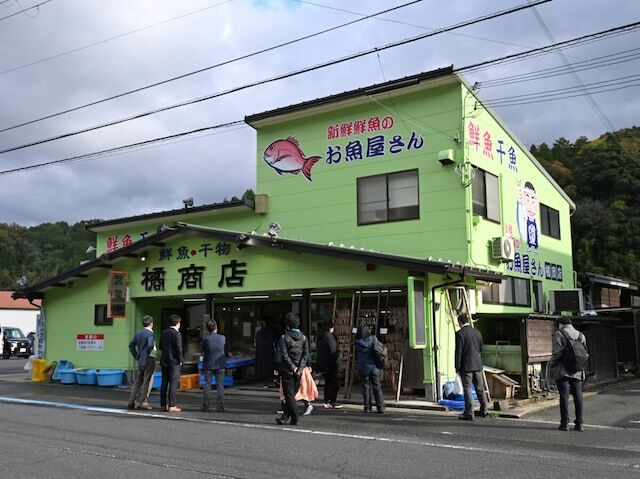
[117, 305]
[90, 342]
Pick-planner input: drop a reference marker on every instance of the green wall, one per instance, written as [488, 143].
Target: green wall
[69, 311]
[513, 177]
[325, 208]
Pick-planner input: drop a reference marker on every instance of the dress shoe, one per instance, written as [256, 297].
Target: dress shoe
[220, 409]
[204, 408]
[563, 427]
[131, 405]
[465, 418]
[578, 427]
[481, 414]
[174, 409]
[145, 406]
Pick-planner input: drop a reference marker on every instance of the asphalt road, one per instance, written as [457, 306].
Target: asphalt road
[106, 441]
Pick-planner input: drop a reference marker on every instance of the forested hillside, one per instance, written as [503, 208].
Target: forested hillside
[42, 251]
[602, 177]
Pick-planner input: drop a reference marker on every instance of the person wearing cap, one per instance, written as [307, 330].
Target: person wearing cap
[328, 364]
[469, 367]
[567, 380]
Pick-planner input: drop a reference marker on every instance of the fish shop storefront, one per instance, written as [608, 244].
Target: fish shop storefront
[248, 282]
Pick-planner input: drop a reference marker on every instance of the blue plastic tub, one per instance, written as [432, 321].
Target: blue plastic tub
[61, 365]
[87, 377]
[68, 376]
[110, 377]
[228, 380]
[157, 380]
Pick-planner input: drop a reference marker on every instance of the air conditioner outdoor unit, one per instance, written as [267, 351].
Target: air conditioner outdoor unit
[566, 300]
[502, 248]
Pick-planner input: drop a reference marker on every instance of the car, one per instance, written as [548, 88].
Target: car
[15, 343]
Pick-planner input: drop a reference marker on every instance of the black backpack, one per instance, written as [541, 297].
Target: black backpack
[575, 356]
[380, 353]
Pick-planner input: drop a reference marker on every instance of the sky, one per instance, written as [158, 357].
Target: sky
[67, 53]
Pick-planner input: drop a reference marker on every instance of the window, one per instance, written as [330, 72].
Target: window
[550, 221]
[486, 195]
[100, 316]
[538, 297]
[390, 197]
[511, 292]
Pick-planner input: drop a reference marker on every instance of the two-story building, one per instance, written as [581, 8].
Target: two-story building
[397, 205]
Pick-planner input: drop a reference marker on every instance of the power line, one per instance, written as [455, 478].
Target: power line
[590, 99]
[116, 37]
[582, 40]
[596, 62]
[210, 67]
[26, 10]
[121, 148]
[280, 77]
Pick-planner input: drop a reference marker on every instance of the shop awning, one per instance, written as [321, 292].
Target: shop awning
[242, 240]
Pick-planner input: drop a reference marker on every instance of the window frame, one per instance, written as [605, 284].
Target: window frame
[494, 290]
[484, 213]
[386, 177]
[100, 317]
[545, 221]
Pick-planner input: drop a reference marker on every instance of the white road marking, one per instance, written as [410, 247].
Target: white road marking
[429, 444]
[632, 390]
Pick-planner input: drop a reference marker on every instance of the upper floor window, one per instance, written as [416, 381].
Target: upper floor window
[550, 221]
[388, 197]
[511, 291]
[486, 195]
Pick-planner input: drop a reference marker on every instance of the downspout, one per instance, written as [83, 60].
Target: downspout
[33, 352]
[435, 335]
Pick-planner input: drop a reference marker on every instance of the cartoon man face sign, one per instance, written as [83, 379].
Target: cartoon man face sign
[528, 215]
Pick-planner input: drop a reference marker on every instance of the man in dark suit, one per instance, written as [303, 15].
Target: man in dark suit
[328, 364]
[171, 360]
[213, 363]
[469, 366]
[143, 350]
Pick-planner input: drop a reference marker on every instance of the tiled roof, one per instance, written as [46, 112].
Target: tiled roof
[7, 302]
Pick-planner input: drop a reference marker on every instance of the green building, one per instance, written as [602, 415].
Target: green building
[398, 205]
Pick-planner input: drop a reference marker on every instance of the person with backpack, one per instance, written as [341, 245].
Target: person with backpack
[568, 362]
[369, 366]
[294, 356]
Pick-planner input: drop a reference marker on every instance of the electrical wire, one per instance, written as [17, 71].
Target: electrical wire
[587, 94]
[25, 10]
[210, 67]
[116, 37]
[597, 62]
[228, 125]
[121, 148]
[350, 57]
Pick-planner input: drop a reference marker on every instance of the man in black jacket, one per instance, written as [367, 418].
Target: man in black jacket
[469, 366]
[294, 355]
[328, 364]
[171, 360]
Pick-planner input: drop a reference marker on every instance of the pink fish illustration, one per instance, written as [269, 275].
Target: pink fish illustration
[285, 156]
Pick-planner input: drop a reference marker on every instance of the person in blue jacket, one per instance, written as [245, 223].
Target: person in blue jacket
[367, 370]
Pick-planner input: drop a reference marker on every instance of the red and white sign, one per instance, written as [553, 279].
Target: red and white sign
[90, 342]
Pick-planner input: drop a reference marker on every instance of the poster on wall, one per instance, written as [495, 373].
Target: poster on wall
[117, 305]
[90, 342]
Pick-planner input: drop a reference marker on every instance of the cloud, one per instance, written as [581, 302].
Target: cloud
[222, 164]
